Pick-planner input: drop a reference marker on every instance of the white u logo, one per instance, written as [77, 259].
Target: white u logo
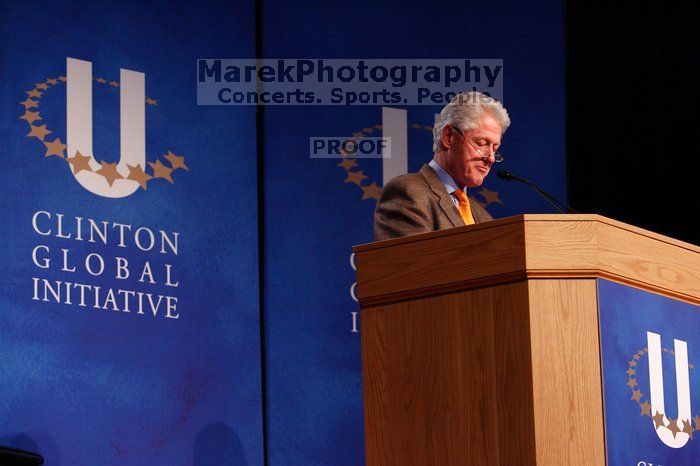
[132, 139]
[656, 384]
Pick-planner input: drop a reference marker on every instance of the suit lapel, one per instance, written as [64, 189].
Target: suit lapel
[477, 213]
[446, 203]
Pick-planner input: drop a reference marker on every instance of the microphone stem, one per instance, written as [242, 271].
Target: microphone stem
[560, 206]
[549, 198]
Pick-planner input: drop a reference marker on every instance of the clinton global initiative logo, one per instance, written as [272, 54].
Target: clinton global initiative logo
[674, 432]
[114, 180]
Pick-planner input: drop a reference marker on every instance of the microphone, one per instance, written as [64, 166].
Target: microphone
[508, 176]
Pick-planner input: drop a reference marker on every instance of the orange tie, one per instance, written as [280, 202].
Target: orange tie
[464, 210]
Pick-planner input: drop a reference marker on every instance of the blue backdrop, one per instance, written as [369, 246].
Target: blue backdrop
[88, 386]
[314, 212]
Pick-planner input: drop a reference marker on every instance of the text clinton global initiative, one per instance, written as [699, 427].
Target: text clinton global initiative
[82, 247]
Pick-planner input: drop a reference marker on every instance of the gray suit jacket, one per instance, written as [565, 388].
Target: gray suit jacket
[418, 203]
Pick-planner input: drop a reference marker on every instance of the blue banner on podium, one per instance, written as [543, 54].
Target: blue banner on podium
[650, 347]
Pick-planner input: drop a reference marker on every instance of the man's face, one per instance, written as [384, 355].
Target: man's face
[467, 166]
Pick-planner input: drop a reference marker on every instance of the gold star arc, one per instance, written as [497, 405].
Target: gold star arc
[673, 427]
[55, 147]
[636, 395]
[347, 164]
[29, 103]
[176, 161]
[658, 420]
[371, 192]
[646, 409]
[688, 428]
[109, 171]
[355, 177]
[161, 171]
[137, 174]
[30, 117]
[80, 163]
[39, 132]
[490, 196]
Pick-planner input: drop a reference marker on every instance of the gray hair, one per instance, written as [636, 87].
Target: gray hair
[464, 111]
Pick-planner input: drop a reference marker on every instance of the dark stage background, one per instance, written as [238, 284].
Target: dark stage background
[632, 95]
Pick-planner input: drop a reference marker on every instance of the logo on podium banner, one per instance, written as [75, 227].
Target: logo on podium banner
[113, 180]
[673, 432]
[649, 344]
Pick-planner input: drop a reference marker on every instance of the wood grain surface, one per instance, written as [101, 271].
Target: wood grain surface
[501, 375]
[566, 375]
[527, 246]
[447, 380]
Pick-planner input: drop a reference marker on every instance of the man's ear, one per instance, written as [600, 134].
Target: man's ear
[446, 137]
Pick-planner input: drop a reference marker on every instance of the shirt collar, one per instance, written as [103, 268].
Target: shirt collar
[450, 184]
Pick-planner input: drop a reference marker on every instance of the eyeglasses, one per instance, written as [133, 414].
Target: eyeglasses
[481, 148]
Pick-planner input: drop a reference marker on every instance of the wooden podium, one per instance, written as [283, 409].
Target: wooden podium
[480, 344]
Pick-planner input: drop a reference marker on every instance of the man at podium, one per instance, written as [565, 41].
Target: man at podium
[466, 138]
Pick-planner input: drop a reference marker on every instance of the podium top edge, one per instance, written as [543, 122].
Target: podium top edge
[524, 218]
